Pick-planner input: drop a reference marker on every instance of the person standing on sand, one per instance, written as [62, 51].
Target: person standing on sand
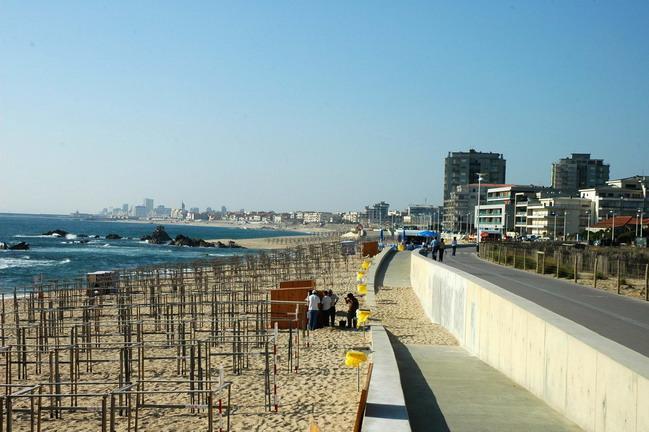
[313, 302]
[454, 245]
[332, 309]
[326, 310]
[352, 307]
[441, 247]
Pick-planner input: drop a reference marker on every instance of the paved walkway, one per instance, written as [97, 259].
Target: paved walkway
[395, 271]
[622, 319]
[447, 389]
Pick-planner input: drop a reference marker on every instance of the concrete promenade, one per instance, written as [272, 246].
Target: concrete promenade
[618, 318]
[446, 388]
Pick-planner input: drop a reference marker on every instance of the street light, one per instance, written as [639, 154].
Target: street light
[477, 221]
[641, 220]
[588, 227]
[565, 231]
[555, 224]
[637, 216]
[611, 212]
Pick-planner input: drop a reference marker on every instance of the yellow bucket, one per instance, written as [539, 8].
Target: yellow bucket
[355, 358]
[365, 265]
[361, 288]
[362, 315]
[401, 247]
[360, 275]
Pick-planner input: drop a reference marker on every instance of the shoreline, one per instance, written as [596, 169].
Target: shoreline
[305, 229]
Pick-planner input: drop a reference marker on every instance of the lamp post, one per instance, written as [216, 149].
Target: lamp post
[611, 212]
[555, 224]
[588, 227]
[637, 216]
[641, 220]
[477, 220]
[565, 229]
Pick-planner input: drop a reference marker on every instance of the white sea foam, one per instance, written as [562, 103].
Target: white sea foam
[31, 236]
[70, 236]
[26, 262]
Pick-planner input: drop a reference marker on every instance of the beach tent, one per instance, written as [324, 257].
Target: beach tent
[427, 233]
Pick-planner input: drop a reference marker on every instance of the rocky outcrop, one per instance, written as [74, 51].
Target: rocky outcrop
[182, 240]
[56, 233]
[19, 246]
[113, 237]
[230, 245]
[158, 236]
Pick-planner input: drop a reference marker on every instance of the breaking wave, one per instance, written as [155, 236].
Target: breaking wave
[26, 262]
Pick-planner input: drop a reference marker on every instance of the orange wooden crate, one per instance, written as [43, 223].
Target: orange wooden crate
[281, 313]
[370, 248]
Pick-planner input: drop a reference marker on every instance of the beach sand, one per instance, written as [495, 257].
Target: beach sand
[401, 314]
[323, 390]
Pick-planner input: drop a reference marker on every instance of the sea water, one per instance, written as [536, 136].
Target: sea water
[66, 257]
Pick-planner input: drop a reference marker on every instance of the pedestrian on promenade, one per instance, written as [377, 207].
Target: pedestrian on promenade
[435, 245]
[441, 248]
[326, 310]
[313, 303]
[454, 245]
[352, 307]
[332, 309]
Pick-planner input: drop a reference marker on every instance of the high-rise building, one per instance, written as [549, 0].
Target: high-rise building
[579, 171]
[461, 168]
[125, 208]
[224, 209]
[148, 204]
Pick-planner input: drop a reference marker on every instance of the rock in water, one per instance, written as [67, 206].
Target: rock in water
[113, 237]
[182, 240]
[158, 236]
[56, 233]
[19, 246]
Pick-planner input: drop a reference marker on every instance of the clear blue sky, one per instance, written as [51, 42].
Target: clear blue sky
[311, 105]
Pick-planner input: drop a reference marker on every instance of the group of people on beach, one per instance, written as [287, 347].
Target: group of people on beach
[321, 309]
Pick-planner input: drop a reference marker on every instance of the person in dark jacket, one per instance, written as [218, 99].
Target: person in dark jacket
[352, 307]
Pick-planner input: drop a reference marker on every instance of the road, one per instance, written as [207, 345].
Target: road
[619, 318]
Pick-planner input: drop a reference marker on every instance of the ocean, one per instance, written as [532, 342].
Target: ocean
[66, 257]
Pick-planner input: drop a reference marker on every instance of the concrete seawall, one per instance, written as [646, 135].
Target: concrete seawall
[597, 383]
[386, 406]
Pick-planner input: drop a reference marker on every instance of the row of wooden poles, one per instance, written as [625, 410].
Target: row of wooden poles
[573, 264]
[196, 318]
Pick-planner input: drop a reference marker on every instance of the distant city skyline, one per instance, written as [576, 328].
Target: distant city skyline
[323, 106]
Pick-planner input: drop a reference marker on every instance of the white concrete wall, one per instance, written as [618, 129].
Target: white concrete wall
[593, 381]
[386, 405]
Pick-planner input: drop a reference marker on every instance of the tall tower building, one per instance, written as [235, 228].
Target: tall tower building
[148, 205]
[462, 168]
[579, 171]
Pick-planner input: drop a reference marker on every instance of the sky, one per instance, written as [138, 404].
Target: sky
[329, 105]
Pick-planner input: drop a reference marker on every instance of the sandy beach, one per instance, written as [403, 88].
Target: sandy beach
[322, 390]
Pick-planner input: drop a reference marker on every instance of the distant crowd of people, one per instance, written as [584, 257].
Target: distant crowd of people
[321, 309]
[437, 248]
